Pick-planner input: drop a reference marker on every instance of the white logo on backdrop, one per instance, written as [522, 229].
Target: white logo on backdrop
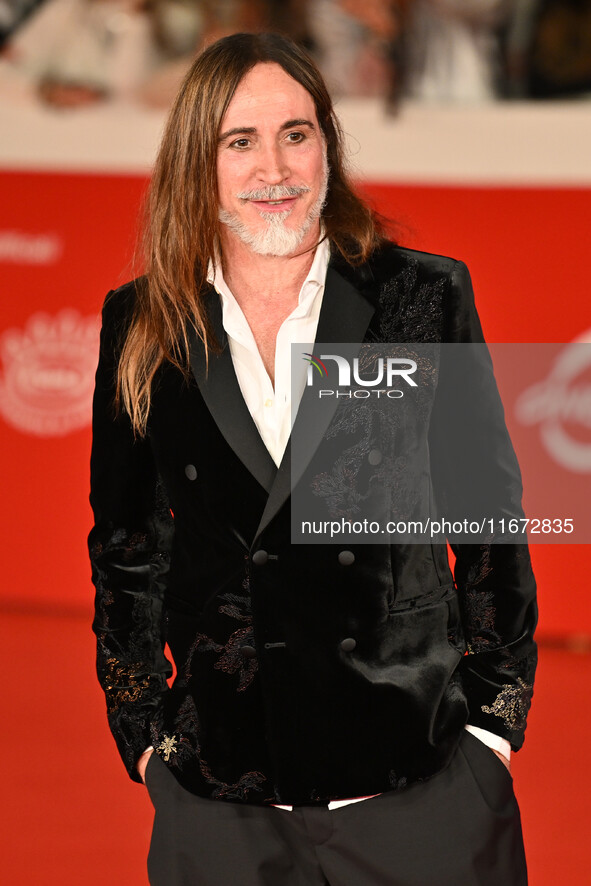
[48, 379]
[29, 249]
[561, 399]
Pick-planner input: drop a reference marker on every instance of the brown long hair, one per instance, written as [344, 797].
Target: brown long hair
[181, 223]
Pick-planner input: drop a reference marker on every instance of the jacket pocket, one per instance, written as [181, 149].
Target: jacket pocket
[447, 595]
[422, 600]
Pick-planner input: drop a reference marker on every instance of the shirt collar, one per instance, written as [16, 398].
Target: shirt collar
[315, 279]
[317, 272]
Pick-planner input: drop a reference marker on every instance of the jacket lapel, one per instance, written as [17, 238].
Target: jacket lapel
[220, 389]
[344, 317]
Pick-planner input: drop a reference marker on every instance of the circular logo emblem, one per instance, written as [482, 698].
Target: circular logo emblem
[562, 402]
[48, 378]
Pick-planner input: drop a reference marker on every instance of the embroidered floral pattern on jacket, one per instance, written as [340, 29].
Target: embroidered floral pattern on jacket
[204, 644]
[478, 606]
[124, 682]
[522, 666]
[131, 666]
[411, 311]
[230, 661]
[233, 662]
[349, 482]
[183, 747]
[249, 781]
[512, 704]
[237, 606]
[480, 612]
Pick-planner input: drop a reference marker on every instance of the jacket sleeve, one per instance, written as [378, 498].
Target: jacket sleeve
[480, 476]
[129, 547]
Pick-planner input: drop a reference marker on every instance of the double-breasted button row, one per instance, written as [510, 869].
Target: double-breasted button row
[346, 645]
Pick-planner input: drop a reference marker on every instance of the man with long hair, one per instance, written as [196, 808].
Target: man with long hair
[339, 715]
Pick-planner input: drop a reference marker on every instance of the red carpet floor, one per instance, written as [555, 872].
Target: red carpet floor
[70, 815]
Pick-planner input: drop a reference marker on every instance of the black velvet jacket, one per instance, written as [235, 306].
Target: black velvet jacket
[269, 705]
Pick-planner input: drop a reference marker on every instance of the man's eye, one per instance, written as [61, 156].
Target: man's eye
[296, 137]
[240, 143]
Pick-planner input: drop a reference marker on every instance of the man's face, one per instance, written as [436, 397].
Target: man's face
[271, 167]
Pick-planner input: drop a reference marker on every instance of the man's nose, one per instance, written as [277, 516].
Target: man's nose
[273, 167]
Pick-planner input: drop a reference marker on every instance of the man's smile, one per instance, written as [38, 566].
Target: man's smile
[280, 205]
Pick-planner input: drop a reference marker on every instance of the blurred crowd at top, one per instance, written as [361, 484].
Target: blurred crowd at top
[72, 53]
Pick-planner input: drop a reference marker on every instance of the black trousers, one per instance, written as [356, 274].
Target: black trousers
[460, 828]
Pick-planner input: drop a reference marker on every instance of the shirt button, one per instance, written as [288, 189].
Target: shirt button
[346, 558]
[248, 651]
[268, 402]
[191, 472]
[259, 558]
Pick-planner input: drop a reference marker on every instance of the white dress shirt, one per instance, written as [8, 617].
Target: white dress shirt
[271, 408]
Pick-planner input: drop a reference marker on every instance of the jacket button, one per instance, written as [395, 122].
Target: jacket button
[348, 644]
[248, 651]
[346, 558]
[190, 472]
[374, 457]
[259, 558]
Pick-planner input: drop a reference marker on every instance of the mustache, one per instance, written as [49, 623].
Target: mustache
[273, 192]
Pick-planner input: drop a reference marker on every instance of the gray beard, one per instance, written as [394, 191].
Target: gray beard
[276, 239]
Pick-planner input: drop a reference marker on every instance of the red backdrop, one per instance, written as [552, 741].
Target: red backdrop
[66, 239]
